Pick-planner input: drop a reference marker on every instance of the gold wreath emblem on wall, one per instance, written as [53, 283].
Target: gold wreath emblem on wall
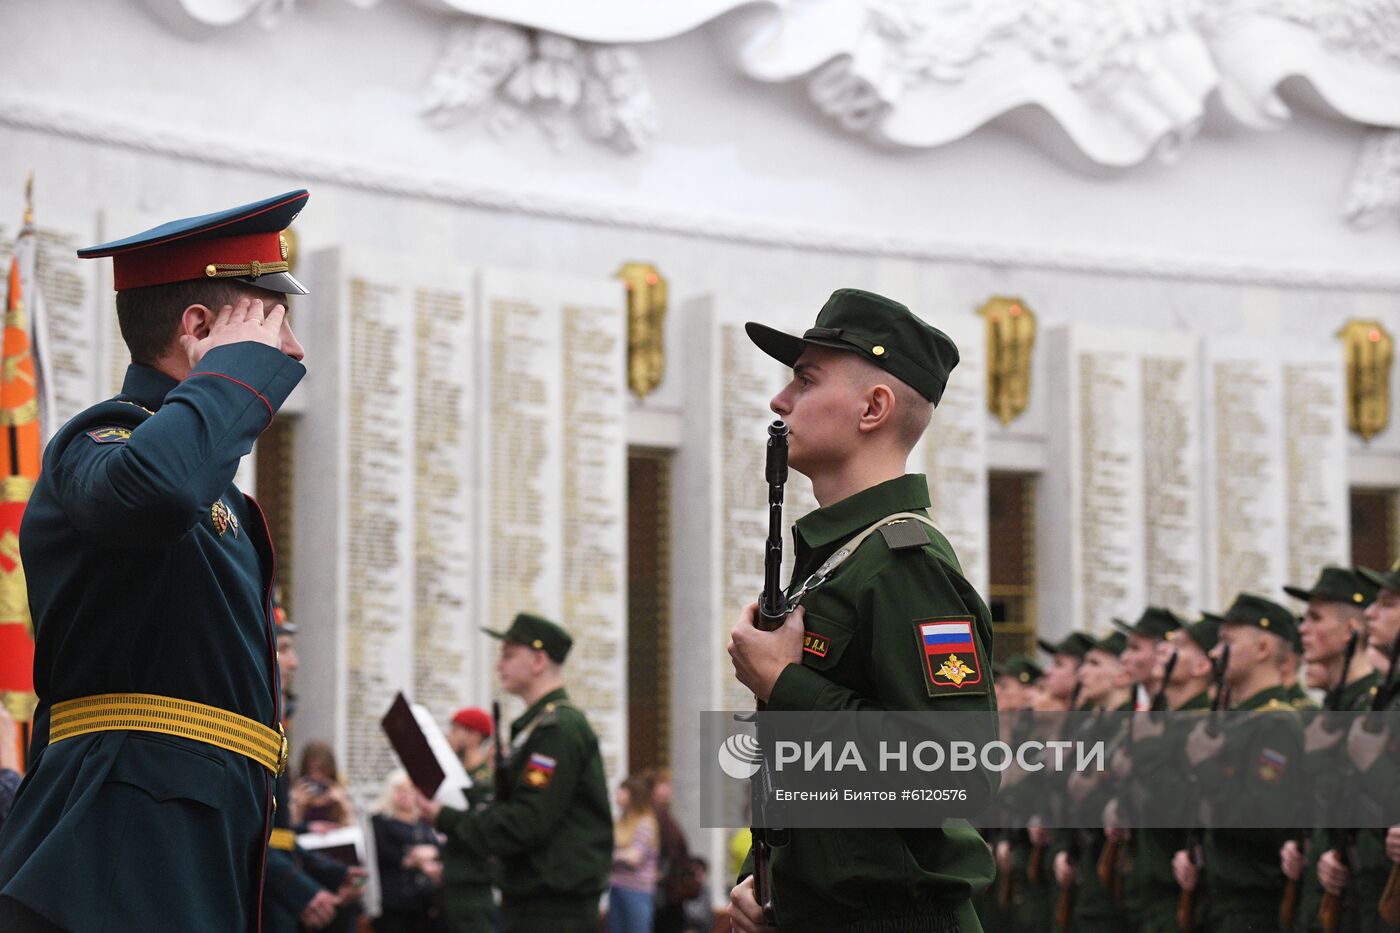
[646, 326]
[1010, 340]
[1370, 352]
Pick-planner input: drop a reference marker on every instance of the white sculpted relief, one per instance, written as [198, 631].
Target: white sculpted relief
[506, 73]
[1126, 79]
[1374, 193]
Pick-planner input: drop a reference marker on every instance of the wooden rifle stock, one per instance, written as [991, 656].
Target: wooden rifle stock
[1035, 866]
[1389, 908]
[1064, 907]
[1108, 862]
[1288, 907]
[1186, 910]
[1329, 915]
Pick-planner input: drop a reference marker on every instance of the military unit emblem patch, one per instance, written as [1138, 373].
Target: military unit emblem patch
[539, 771]
[949, 655]
[110, 435]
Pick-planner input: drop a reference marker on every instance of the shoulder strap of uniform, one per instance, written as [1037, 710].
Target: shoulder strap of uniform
[844, 552]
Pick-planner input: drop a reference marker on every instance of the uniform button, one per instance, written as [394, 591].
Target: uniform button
[274, 803]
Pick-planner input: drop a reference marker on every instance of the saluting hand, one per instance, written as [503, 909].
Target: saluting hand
[238, 323]
[1392, 843]
[759, 656]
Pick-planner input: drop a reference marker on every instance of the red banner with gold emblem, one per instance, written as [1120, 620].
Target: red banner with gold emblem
[20, 444]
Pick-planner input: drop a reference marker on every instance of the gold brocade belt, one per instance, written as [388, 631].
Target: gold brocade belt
[145, 712]
[283, 839]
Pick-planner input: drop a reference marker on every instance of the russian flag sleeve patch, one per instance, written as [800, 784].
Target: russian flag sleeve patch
[949, 656]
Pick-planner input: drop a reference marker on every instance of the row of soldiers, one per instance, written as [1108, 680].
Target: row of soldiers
[1223, 877]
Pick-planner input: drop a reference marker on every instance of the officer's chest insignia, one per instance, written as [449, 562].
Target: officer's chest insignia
[949, 656]
[539, 771]
[110, 435]
[815, 644]
[223, 518]
[1270, 766]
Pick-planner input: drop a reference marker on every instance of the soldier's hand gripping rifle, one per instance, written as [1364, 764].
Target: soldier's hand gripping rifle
[773, 608]
[1186, 902]
[1329, 914]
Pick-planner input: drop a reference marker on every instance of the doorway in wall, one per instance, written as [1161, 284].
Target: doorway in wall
[1375, 537]
[648, 609]
[276, 482]
[1011, 587]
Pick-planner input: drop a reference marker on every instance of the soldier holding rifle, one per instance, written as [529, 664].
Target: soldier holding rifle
[1334, 638]
[1252, 770]
[1373, 748]
[895, 626]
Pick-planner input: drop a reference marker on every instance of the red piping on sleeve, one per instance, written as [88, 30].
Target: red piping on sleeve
[244, 385]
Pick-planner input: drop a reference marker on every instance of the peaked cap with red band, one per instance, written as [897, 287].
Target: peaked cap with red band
[242, 243]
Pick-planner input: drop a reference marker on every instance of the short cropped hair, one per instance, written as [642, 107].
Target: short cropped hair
[912, 412]
[149, 317]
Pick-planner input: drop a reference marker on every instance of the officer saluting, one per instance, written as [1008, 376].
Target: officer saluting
[895, 627]
[550, 824]
[157, 733]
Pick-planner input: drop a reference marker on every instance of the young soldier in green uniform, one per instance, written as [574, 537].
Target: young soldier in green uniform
[1252, 768]
[1023, 894]
[1157, 779]
[1105, 688]
[1060, 693]
[1336, 609]
[550, 824]
[1014, 683]
[865, 380]
[467, 903]
[1376, 760]
[1144, 670]
[1358, 872]
[157, 735]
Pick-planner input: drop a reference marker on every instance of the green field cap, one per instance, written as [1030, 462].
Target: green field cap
[880, 330]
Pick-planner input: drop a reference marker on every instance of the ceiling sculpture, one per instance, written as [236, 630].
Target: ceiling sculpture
[1126, 80]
